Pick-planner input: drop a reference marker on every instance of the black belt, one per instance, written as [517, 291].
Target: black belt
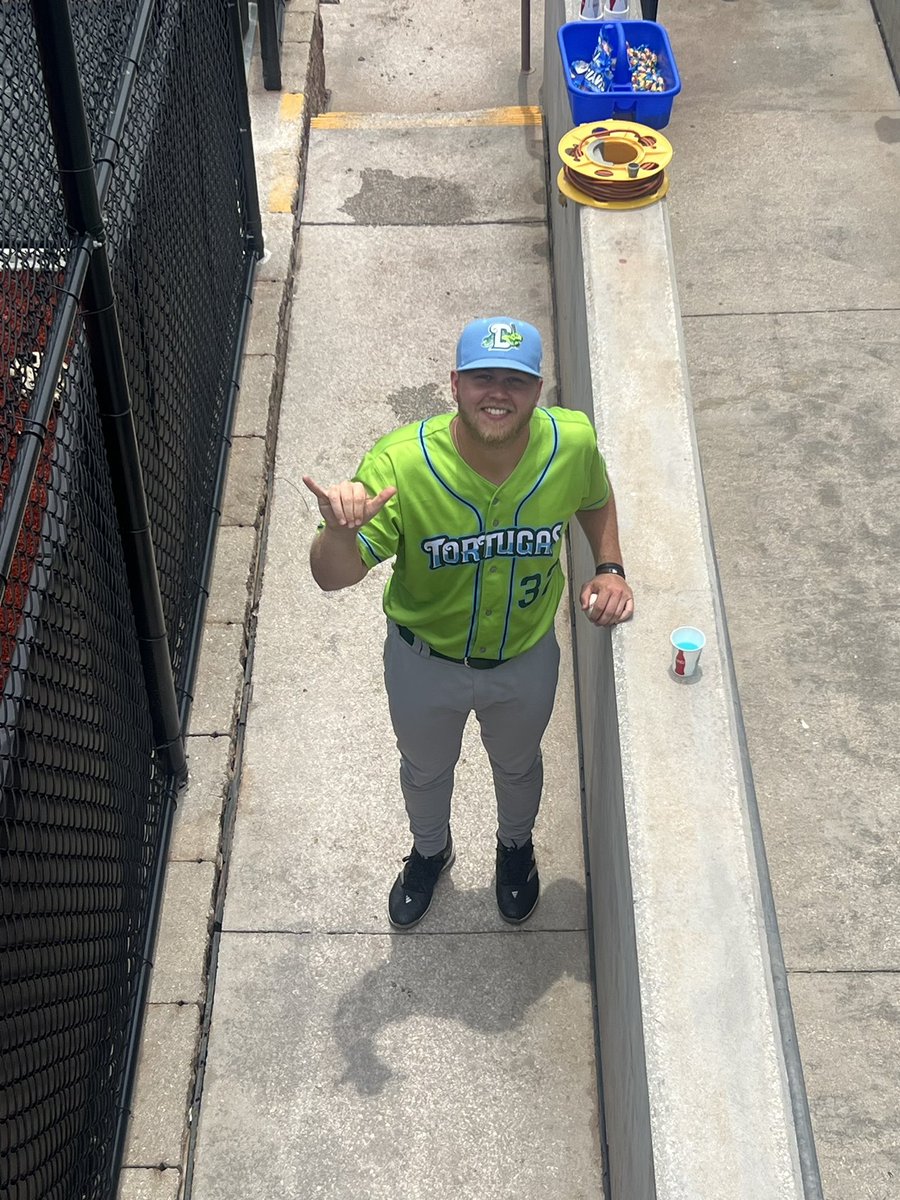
[478, 664]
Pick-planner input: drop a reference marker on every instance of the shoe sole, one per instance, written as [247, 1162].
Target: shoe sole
[412, 924]
[520, 920]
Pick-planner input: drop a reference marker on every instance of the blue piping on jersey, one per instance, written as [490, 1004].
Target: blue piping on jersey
[456, 496]
[540, 480]
[362, 537]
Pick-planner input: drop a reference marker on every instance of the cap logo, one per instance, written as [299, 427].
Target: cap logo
[502, 336]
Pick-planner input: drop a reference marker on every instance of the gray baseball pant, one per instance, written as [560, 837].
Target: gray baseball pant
[430, 700]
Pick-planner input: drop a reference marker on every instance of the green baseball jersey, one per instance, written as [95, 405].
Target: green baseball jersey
[477, 568]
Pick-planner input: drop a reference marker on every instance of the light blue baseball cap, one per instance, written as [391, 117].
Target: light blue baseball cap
[499, 342]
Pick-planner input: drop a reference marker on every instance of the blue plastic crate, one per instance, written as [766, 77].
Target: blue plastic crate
[578, 40]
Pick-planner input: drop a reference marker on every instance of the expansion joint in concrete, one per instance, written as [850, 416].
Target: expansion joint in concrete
[418, 224]
[787, 312]
[843, 970]
[387, 933]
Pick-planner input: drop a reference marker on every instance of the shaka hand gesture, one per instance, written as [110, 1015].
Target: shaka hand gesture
[348, 505]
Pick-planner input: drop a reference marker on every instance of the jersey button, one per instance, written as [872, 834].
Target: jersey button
[492, 571]
[482, 649]
[488, 612]
[495, 523]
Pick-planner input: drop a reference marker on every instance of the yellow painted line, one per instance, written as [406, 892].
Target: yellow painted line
[291, 106]
[281, 197]
[513, 115]
[285, 185]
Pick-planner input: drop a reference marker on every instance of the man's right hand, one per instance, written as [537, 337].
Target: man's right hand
[348, 505]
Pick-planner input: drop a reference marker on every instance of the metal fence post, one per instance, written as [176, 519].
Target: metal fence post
[269, 49]
[62, 83]
[248, 163]
[525, 19]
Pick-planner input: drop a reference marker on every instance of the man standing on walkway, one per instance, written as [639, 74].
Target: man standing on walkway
[474, 505]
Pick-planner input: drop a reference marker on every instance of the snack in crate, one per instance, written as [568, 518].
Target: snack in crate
[643, 80]
[642, 56]
[600, 70]
[577, 72]
[644, 63]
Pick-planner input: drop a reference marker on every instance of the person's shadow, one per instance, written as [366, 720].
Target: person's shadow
[487, 981]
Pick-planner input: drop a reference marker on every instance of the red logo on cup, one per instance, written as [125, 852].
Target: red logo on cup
[679, 663]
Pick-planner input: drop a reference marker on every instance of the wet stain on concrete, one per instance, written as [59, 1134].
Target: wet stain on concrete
[888, 129]
[416, 403]
[830, 495]
[388, 199]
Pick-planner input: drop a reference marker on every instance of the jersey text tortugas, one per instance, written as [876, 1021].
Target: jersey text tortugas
[477, 566]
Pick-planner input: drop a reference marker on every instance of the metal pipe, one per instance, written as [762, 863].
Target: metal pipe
[248, 164]
[56, 46]
[134, 52]
[59, 67]
[525, 19]
[269, 49]
[648, 9]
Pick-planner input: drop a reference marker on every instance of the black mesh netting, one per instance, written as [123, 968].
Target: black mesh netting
[81, 795]
[176, 221]
[80, 810]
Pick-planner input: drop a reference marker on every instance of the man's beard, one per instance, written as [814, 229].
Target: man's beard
[489, 437]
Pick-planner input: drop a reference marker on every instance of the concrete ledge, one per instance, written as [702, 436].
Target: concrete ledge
[233, 575]
[179, 968]
[695, 1076]
[149, 1183]
[198, 816]
[888, 12]
[220, 678]
[259, 377]
[281, 119]
[157, 1131]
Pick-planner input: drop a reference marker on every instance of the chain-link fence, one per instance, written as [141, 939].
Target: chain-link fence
[86, 795]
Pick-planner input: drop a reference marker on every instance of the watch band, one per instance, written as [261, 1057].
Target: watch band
[610, 568]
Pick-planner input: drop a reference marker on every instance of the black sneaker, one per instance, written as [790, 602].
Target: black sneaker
[410, 897]
[518, 885]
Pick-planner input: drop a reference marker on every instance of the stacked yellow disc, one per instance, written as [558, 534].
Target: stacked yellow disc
[614, 164]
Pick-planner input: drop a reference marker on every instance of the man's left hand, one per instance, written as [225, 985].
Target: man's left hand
[607, 600]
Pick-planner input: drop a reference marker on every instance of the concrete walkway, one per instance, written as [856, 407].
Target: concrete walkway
[347, 1061]
[784, 206]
